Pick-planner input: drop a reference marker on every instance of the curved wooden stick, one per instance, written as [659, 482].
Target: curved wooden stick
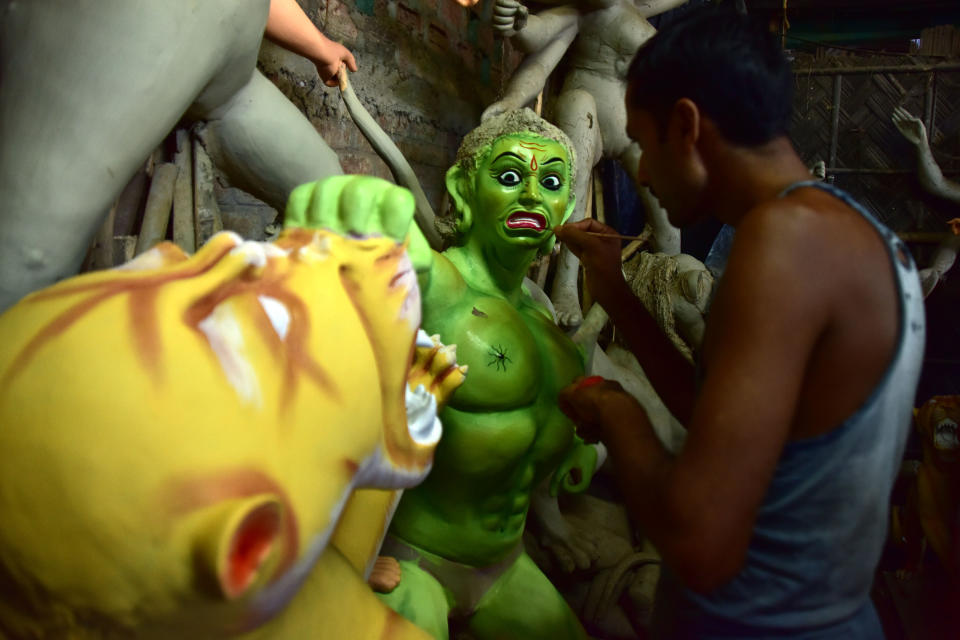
[386, 149]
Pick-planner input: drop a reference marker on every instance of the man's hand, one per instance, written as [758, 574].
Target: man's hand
[359, 206]
[509, 17]
[331, 57]
[292, 29]
[910, 126]
[600, 257]
[599, 408]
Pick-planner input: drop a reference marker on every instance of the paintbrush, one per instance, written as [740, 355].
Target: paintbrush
[643, 237]
[615, 235]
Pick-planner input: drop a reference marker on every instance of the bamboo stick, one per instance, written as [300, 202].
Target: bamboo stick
[184, 234]
[101, 251]
[156, 215]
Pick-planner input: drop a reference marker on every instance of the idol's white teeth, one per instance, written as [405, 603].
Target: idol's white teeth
[945, 435]
[526, 220]
[425, 341]
[422, 422]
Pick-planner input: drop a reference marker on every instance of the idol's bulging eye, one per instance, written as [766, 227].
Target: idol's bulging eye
[509, 178]
[551, 182]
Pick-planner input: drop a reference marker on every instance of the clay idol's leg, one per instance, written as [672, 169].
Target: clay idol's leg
[576, 114]
[265, 144]
[89, 89]
[523, 604]
[420, 599]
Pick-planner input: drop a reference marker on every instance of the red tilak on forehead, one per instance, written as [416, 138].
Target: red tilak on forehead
[533, 147]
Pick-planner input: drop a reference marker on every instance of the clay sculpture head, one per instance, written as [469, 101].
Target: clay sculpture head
[180, 435]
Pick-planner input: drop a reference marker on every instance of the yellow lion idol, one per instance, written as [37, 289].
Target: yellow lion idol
[180, 440]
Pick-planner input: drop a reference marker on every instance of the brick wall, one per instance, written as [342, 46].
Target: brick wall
[427, 70]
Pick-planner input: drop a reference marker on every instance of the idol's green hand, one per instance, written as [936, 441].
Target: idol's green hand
[576, 470]
[360, 206]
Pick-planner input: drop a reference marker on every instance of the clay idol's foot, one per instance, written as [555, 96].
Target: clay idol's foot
[567, 304]
[572, 549]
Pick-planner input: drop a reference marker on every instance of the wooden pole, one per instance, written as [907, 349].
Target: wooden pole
[598, 196]
[184, 235]
[101, 253]
[206, 213]
[835, 120]
[877, 171]
[156, 216]
[925, 237]
[890, 68]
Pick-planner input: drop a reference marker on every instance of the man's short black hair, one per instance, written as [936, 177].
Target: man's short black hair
[728, 64]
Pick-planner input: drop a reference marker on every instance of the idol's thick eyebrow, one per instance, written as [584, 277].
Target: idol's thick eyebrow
[551, 160]
[510, 153]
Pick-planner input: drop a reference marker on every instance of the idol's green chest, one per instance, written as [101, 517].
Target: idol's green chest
[516, 356]
[507, 407]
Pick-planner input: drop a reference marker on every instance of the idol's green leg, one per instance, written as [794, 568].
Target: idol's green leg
[523, 604]
[420, 599]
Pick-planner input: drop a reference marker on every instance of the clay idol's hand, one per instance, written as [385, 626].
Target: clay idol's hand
[600, 257]
[509, 17]
[576, 470]
[386, 574]
[498, 107]
[910, 126]
[359, 206]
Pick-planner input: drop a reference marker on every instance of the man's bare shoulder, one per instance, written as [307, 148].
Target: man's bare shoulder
[781, 268]
[775, 238]
[809, 227]
[821, 272]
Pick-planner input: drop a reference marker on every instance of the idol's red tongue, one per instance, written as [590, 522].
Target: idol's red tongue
[526, 220]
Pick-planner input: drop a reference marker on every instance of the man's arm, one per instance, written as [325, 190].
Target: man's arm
[671, 375]
[289, 26]
[699, 508]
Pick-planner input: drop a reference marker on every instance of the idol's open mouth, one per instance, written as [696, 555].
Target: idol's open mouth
[527, 220]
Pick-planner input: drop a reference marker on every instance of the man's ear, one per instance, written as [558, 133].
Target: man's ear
[684, 123]
[458, 185]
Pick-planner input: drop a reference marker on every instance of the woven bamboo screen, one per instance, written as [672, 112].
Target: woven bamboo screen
[863, 150]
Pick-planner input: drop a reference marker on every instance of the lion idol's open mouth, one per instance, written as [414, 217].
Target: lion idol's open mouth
[527, 220]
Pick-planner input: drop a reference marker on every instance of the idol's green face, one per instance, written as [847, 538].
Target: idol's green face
[522, 190]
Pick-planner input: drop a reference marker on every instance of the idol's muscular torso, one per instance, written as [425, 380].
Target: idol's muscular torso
[503, 431]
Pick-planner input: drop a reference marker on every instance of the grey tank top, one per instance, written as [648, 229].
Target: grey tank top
[821, 527]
